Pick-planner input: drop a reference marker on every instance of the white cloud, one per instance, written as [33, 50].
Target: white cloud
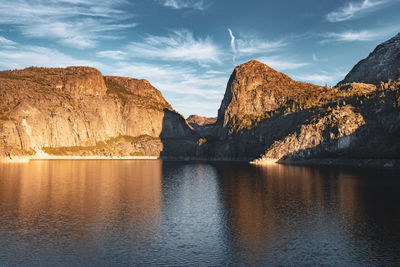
[215, 72]
[75, 23]
[350, 36]
[79, 34]
[233, 45]
[252, 46]
[39, 56]
[281, 64]
[179, 45]
[255, 46]
[186, 4]
[322, 78]
[113, 54]
[6, 42]
[354, 10]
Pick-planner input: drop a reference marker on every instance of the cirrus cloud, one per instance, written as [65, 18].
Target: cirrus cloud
[74, 23]
[179, 45]
[186, 4]
[354, 10]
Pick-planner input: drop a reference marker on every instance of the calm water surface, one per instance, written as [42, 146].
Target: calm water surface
[111, 213]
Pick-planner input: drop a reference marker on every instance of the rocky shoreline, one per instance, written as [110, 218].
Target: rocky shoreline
[388, 164]
[335, 162]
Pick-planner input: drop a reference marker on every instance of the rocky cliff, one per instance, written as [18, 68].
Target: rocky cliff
[264, 115]
[267, 115]
[382, 65]
[77, 111]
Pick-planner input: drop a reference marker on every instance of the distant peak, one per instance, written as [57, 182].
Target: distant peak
[382, 65]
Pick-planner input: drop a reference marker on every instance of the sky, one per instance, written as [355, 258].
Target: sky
[188, 48]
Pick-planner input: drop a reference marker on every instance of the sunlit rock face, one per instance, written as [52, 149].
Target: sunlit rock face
[267, 115]
[78, 109]
[254, 89]
[382, 65]
[264, 115]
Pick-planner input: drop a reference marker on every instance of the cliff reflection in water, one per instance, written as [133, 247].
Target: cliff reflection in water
[155, 212]
[77, 210]
[313, 215]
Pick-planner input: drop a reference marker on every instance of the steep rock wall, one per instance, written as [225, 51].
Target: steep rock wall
[77, 107]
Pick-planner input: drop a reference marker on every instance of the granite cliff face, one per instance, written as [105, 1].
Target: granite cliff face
[77, 111]
[256, 95]
[265, 115]
[254, 89]
[382, 65]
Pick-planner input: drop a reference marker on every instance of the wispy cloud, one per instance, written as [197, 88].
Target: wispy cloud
[178, 45]
[6, 43]
[354, 10]
[252, 46]
[76, 23]
[322, 77]
[350, 36]
[186, 4]
[256, 46]
[113, 54]
[233, 45]
[26, 56]
[282, 64]
[79, 34]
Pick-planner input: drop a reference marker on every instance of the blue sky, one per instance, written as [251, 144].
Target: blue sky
[188, 48]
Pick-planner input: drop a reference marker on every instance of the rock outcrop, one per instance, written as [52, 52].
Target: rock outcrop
[203, 125]
[254, 89]
[382, 65]
[267, 115]
[77, 111]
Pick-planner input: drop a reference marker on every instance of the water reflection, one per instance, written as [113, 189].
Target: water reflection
[178, 213]
[79, 207]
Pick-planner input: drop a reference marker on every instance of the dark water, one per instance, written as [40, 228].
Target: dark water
[110, 213]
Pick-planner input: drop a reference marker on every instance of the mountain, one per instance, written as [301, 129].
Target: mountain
[265, 115]
[382, 65]
[255, 89]
[77, 111]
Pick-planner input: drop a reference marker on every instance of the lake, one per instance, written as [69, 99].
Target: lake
[154, 212]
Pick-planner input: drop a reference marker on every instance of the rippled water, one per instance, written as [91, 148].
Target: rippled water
[109, 213]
